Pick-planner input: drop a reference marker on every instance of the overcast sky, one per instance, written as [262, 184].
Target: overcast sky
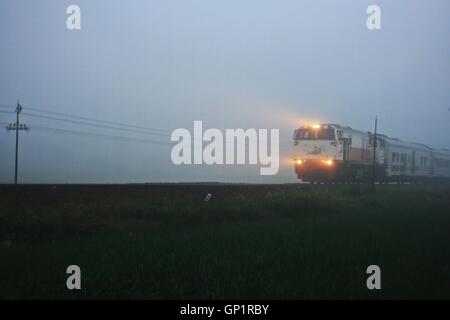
[231, 64]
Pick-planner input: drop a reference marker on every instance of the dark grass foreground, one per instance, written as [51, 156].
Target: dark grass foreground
[277, 242]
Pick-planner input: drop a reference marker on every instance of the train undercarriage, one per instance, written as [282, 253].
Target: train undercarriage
[321, 171]
[315, 171]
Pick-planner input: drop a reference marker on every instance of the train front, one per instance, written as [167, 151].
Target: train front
[317, 152]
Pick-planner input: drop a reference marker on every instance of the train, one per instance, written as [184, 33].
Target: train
[333, 153]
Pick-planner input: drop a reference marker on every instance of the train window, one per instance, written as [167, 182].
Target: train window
[303, 134]
[403, 158]
[396, 157]
[441, 163]
[314, 134]
[423, 161]
[326, 134]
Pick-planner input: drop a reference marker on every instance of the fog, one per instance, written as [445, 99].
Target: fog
[231, 64]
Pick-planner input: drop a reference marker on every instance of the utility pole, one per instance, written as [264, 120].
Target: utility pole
[374, 144]
[17, 126]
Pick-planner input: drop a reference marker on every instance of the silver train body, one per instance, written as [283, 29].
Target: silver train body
[331, 152]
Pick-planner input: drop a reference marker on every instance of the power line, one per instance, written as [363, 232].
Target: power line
[17, 126]
[93, 125]
[102, 135]
[153, 130]
[95, 134]
[97, 120]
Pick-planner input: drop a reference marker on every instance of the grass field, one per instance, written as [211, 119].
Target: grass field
[274, 242]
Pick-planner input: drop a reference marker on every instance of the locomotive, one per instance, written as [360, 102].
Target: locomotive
[332, 152]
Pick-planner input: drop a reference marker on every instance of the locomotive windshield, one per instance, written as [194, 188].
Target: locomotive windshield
[315, 134]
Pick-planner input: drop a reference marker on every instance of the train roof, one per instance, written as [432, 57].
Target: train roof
[404, 144]
[395, 141]
[442, 152]
[392, 141]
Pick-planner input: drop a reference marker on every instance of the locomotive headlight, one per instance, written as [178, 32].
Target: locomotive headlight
[316, 126]
[327, 162]
[299, 161]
